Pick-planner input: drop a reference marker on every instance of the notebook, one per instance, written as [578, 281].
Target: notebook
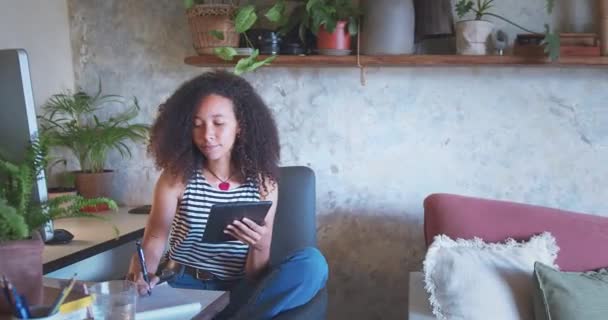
[171, 303]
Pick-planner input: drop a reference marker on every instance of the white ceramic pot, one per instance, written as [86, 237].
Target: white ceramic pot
[472, 37]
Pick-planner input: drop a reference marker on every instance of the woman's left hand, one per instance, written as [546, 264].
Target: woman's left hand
[249, 232]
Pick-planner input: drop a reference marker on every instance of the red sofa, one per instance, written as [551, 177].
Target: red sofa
[582, 238]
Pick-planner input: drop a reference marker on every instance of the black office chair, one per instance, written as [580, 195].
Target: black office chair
[294, 229]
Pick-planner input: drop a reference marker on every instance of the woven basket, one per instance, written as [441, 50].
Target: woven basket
[204, 18]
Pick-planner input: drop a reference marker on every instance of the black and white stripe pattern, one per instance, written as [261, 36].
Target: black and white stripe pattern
[225, 260]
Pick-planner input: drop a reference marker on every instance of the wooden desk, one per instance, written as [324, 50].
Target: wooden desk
[93, 237]
[160, 306]
[95, 247]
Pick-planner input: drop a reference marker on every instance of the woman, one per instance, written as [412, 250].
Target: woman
[216, 142]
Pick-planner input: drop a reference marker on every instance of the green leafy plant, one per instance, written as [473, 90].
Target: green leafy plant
[327, 13]
[19, 215]
[70, 121]
[483, 8]
[245, 17]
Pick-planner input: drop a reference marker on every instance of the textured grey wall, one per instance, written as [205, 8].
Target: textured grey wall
[536, 135]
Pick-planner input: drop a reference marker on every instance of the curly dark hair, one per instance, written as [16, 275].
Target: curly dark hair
[256, 150]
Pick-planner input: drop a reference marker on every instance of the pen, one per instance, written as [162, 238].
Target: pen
[7, 293]
[142, 262]
[89, 310]
[19, 310]
[25, 306]
[62, 295]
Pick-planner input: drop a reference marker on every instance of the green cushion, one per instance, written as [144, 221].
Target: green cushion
[570, 295]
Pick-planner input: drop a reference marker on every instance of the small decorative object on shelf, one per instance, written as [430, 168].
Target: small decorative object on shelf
[501, 42]
[472, 36]
[267, 41]
[571, 45]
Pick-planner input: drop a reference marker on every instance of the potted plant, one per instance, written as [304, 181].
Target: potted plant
[69, 121]
[472, 35]
[333, 22]
[207, 21]
[20, 219]
[245, 17]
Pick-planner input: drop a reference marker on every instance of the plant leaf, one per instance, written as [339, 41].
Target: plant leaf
[463, 7]
[551, 43]
[188, 4]
[312, 3]
[550, 6]
[275, 14]
[226, 53]
[264, 62]
[353, 25]
[245, 18]
[250, 64]
[217, 34]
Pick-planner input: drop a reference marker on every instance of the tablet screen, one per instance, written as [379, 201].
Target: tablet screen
[223, 214]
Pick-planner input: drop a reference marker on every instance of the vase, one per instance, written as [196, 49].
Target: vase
[472, 37]
[387, 27]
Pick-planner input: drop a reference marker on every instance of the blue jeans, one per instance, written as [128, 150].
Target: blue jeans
[290, 284]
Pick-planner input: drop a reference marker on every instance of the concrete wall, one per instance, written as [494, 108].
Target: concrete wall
[42, 29]
[529, 134]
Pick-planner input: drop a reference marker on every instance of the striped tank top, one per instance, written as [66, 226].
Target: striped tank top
[225, 260]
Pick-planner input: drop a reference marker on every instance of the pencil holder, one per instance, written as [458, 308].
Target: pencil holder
[41, 313]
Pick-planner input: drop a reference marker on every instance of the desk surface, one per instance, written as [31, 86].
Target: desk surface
[92, 236]
[165, 304]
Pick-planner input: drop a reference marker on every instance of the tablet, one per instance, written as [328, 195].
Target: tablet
[221, 215]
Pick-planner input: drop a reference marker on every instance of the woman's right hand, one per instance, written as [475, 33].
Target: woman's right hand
[137, 276]
[142, 287]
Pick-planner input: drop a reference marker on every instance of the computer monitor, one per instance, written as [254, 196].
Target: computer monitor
[18, 125]
[18, 111]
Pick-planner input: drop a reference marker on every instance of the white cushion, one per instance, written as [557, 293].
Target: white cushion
[470, 279]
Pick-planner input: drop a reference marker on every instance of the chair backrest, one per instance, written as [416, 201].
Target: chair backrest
[582, 238]
[295, 219]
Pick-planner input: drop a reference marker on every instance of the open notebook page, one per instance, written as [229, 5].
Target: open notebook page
[171, 303]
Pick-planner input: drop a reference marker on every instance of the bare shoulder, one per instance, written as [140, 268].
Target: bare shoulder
[169, 184]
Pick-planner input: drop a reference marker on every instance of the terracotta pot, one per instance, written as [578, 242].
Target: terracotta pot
[93, 185]
[472, 36]
[21, 263]
[339, 39]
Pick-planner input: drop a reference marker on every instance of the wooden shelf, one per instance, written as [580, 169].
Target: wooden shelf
[403, 60]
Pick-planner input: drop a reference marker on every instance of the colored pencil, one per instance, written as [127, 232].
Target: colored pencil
[62, 295]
